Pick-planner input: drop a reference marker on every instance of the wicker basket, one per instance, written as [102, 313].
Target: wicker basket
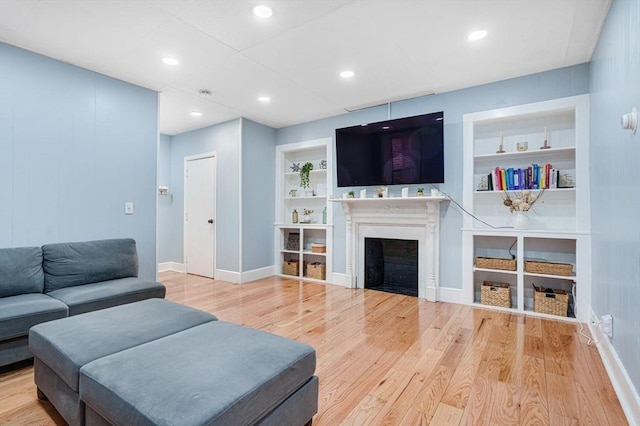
[317, 271]
[549, 268]
[318, 248]
[495, 263]
[550, 301]
[495, 294]
[291, 267]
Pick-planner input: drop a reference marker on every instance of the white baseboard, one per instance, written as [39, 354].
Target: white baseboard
[228, 276]
[340, 279]
[257, 274]
[625, 390]
[450, 295]
[171, 266]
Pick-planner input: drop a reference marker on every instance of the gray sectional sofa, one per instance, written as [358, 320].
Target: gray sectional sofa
[40, 284]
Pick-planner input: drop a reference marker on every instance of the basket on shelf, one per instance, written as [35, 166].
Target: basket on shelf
[550, 301]
[291, 267]
[318, 248]
[496, 263]
[495, 294]
[317, 270]
[549, 268]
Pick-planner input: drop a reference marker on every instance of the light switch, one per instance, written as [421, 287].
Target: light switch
[128, 207]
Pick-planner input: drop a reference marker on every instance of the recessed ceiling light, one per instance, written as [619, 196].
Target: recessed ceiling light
[264, 99]
[347, 74]
[170, 61]
[196, 113]
[262, 11]
[477, 35]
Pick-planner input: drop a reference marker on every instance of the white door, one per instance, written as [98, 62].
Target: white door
[200, 215]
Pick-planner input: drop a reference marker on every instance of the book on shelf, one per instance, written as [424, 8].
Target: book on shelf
[535, 176]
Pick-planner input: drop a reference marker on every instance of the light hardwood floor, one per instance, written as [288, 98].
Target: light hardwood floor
[386, 359]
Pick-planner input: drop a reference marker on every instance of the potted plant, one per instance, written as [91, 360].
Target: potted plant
[381, 191]
[420, 192]
[306, 216]
[293, 193]
[351, 194]
[304, 175]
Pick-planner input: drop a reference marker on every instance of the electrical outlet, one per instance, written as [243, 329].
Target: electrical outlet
[606, 325]
[128, 207]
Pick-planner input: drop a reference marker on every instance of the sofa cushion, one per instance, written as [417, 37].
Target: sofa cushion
[217, 373]
[21, 271]
[68, 344]
[19, 313]
[91, 297]
[72, 264]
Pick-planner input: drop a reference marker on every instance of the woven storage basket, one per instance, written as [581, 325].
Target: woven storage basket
[319, 248]
[317, 271]
[549, 268]
[495, 294]
[556, 303]
[495, 263]
[291, 267]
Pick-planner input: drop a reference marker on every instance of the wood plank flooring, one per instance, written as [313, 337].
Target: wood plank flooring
[386, 359]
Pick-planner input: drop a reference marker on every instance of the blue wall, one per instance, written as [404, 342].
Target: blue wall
[224, 140]
[532, 88]
[615, 205]
[74, 146]
[165, 202]
[258, 193]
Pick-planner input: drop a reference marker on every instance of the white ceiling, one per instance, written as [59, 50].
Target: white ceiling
[398, 49]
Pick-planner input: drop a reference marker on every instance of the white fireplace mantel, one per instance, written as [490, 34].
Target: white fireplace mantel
[416, 218]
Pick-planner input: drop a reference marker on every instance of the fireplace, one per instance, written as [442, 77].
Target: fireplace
[391, 265]
[410, 218]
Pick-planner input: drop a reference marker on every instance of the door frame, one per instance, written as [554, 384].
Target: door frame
[196, 157]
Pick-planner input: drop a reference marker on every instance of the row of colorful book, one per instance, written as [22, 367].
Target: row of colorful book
[533, 177]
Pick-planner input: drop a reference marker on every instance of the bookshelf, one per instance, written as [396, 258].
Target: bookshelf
[559, 230]
[291, 259]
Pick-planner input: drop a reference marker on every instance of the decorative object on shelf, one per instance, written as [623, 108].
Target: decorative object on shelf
[629, 121]
[501, 146]
[306, 216]
[522, 146]
[381, 191]
[520, 220]
[405, 192]
[522, 201]
[324, 215]
[550, 301]
[294, 216]
[484, 184]
[435, 192]
[546, 140]
[351, 194]
[293, 241]
[420, 192]
[323, 164]
[548, 268]
[495, 294]
[565, 181]
[316, 270]
[295, 167]
[363, 193]
[309, 192]
[304, 174]
[291, 267]
[293, 193]
[318, 248]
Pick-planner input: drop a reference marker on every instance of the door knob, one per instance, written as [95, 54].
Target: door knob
[210, 221]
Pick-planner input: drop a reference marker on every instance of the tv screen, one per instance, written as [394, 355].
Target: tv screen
[394, 152]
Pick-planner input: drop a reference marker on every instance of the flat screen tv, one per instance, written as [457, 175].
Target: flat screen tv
[394, 152]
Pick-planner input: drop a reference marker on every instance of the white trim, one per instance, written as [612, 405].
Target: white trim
[625, 390]
[450, 295]
[171, 266]
[228, 276]
[242, 192]
[184, 206]
[340, 279]
[257, 274]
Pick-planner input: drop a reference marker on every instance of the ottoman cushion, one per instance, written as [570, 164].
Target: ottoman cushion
[19, 313]
[67, 344]
[217, 373]
[92, 297]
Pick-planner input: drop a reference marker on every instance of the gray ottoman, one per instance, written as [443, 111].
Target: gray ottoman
[216, 373]
[61, 347]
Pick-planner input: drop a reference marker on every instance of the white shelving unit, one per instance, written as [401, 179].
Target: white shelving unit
[560, 219]
[319, 230]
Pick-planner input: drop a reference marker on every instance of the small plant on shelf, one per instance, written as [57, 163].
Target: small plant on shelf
[420, 192]
[521, 202]
[304, 174]
[351, 194]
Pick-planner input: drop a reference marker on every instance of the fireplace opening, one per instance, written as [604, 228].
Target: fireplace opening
[391, 265]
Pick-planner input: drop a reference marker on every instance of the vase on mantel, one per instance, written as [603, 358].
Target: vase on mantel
[521, 220]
